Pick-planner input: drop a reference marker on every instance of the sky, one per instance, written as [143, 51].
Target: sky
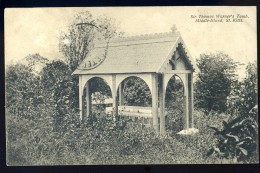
[36, 30]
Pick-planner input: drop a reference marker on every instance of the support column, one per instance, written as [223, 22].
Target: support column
[80, 98]
[155, 101]
[114, 94]
[88, 100]
[162, 104]
[121, 95]
[186, 103]
[191, 99]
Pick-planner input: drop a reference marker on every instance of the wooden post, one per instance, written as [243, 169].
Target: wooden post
[114, 93]
[121, 95]
[162, 105]
[186, 103]
[80, 98]
[88, 100]
[155, 101]
[191, 100]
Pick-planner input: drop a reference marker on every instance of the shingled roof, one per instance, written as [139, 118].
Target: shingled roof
[137, 54]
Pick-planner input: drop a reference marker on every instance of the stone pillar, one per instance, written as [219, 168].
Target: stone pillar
[155, 101]
[186, 103]
[162, 104]
[114, 94]
[191, 101]
[120, 94]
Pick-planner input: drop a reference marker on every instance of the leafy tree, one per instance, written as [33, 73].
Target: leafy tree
[35, 62]
[58, 84]
[243, 96]
[239, 137]
[137, 93]
[23, 91]
[250, 87]
[83, 31]
[99, 85]
[216, 76]
[53, 72]
[75, 45]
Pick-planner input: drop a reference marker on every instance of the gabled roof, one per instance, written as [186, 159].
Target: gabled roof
[137, 54]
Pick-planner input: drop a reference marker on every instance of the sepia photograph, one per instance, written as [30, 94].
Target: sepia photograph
[131, 85]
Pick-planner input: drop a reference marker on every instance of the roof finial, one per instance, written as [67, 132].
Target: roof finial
[175, 30]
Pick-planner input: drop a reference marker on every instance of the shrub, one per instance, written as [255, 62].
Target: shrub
[59, 87]
[137, 92]
[243, 96]
[217, 73]
[23, 91]
[238, 140]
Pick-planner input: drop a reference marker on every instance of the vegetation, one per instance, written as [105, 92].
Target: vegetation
[35, 143]
[83, 32]
[216, 76]
[137, 92]
[80, 39]
[40, 136]
[238, 138]
[43, 126]
[243, 96]
[174, 105]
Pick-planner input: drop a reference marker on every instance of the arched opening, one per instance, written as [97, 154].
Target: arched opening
[174, 103]
[135, 92]
[134, 100]
[100, 97]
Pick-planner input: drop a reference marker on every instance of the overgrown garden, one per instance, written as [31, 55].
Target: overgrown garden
[42, 116]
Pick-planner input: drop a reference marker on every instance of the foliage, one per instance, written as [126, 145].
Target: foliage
[216, 76]
[58, 84]
[83, 31]
[137, 92]
[61, 139]
[238, 140]
[174, 105]
[43, 126]
[99, 85]
[23, 91]
[103, 142]
[53, 72]
[243, 96]
[35, 62]
[38, 141]
[75, 45]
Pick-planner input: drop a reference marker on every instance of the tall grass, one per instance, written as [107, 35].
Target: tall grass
[34, 142]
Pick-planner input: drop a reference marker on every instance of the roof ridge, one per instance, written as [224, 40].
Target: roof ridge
[144, 36]
[138, 38]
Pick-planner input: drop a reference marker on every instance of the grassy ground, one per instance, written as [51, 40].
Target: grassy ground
[105, 143]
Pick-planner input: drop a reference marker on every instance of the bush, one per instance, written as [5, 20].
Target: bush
[174, 105]
[137, 92]
[103, 142]
[243, 96]
[238, 140]
[60, 90]
[23, 91]
[216, 76]
[47, 131]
